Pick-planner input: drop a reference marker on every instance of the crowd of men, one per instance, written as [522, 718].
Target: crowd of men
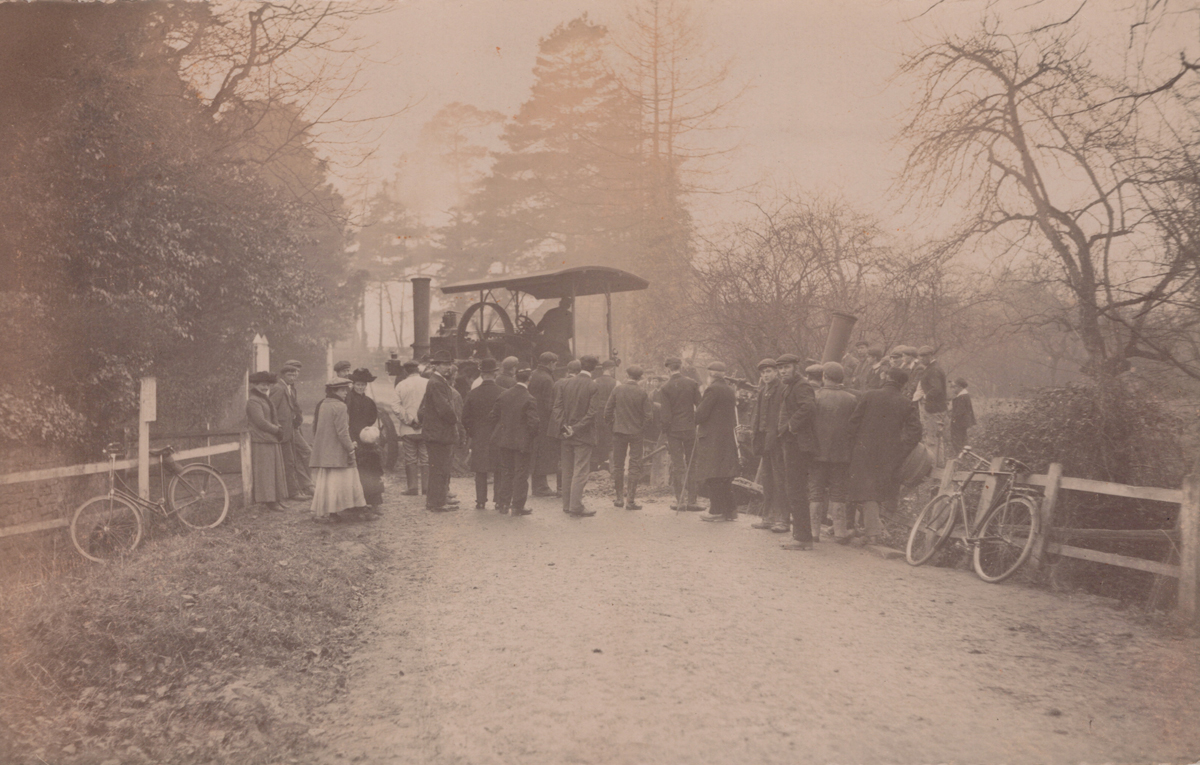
[821, 442]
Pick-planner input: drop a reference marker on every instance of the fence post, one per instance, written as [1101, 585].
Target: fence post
[1046, 513]
[1189, 549]
[247, 470]
[989, 489]
[147, 413]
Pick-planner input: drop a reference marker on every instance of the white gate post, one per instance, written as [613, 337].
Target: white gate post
[147, 413]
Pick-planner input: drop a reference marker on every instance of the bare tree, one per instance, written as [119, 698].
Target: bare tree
[768, 287]
[1052, 166]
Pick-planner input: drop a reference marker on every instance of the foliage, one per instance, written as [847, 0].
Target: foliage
[104, 656]
[141, 237]
[564, 189]
[1116, 431]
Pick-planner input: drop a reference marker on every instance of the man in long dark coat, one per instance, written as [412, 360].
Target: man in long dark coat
[439, 425]
[680, 396]
[544, 455]
[764, 427]
[884, 428]
[477, 408]
[797, 413]
[515, 426]
[716, 462]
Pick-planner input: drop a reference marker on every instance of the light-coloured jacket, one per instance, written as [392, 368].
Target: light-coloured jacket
[409, 393]
[332, 446]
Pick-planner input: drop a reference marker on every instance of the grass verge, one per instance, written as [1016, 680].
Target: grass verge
[201, 647]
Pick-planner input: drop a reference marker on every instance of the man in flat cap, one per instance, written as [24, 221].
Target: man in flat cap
[577, 409]
[627, 412]
[514, 424]
[764, 426]
[716, 462]
[680, 396]
[605, 383]
[544, 458]
[932, 395]
[410, 392]
[477, 409]
[296, 451]
[796, 415]
[439, 425]
[554, 429]
[830, 471]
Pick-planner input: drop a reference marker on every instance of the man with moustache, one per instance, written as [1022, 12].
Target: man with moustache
[764, 424]
[797, 412]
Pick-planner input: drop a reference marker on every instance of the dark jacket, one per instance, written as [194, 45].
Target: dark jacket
[764, 421]
[438, 415]
[555, 423]
[962, 413]
[681, 396]
[716, 443]
[933, 383]
[797, 414]
[835, 404]
[514, 419]
[286, 409]
[545, 457]
[477, 409]
[628, 409]
[577, 408]
[362, 411]
[260, 414]
[884, 427]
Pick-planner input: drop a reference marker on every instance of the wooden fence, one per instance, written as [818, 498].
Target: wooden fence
[71, 471]
[1184, 537]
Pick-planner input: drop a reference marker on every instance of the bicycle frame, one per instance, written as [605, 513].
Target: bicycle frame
[1005, 489]
[118, 487]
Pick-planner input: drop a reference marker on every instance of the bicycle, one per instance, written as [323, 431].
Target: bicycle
[1002, 538]
[109, 526]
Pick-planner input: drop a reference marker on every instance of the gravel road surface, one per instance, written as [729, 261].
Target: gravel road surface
[650, 637]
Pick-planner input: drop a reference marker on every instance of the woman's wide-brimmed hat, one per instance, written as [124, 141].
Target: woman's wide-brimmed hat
[362, 375]
[337, 382]
[262, 377]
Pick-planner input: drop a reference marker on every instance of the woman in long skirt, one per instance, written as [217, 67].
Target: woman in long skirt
[269, 471]
[363, 414]
[336, 486]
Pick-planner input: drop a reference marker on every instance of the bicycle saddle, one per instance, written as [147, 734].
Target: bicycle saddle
[163, 450]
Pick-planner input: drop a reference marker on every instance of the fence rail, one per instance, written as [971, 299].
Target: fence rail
[1185, 537]
[93, 468]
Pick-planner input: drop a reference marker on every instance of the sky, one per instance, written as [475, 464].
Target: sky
[823, 103]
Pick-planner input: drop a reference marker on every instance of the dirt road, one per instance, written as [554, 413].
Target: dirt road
[650, 637]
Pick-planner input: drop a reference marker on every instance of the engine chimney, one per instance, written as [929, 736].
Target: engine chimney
[420, 304]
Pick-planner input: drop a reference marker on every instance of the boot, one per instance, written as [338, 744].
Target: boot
[630, 504]
[410, 478]
[424, 473]
[841, 534]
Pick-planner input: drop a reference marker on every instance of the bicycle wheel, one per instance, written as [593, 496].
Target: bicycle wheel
[1005, 539]
[106, 528]
[931, 528]
[199, 496]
